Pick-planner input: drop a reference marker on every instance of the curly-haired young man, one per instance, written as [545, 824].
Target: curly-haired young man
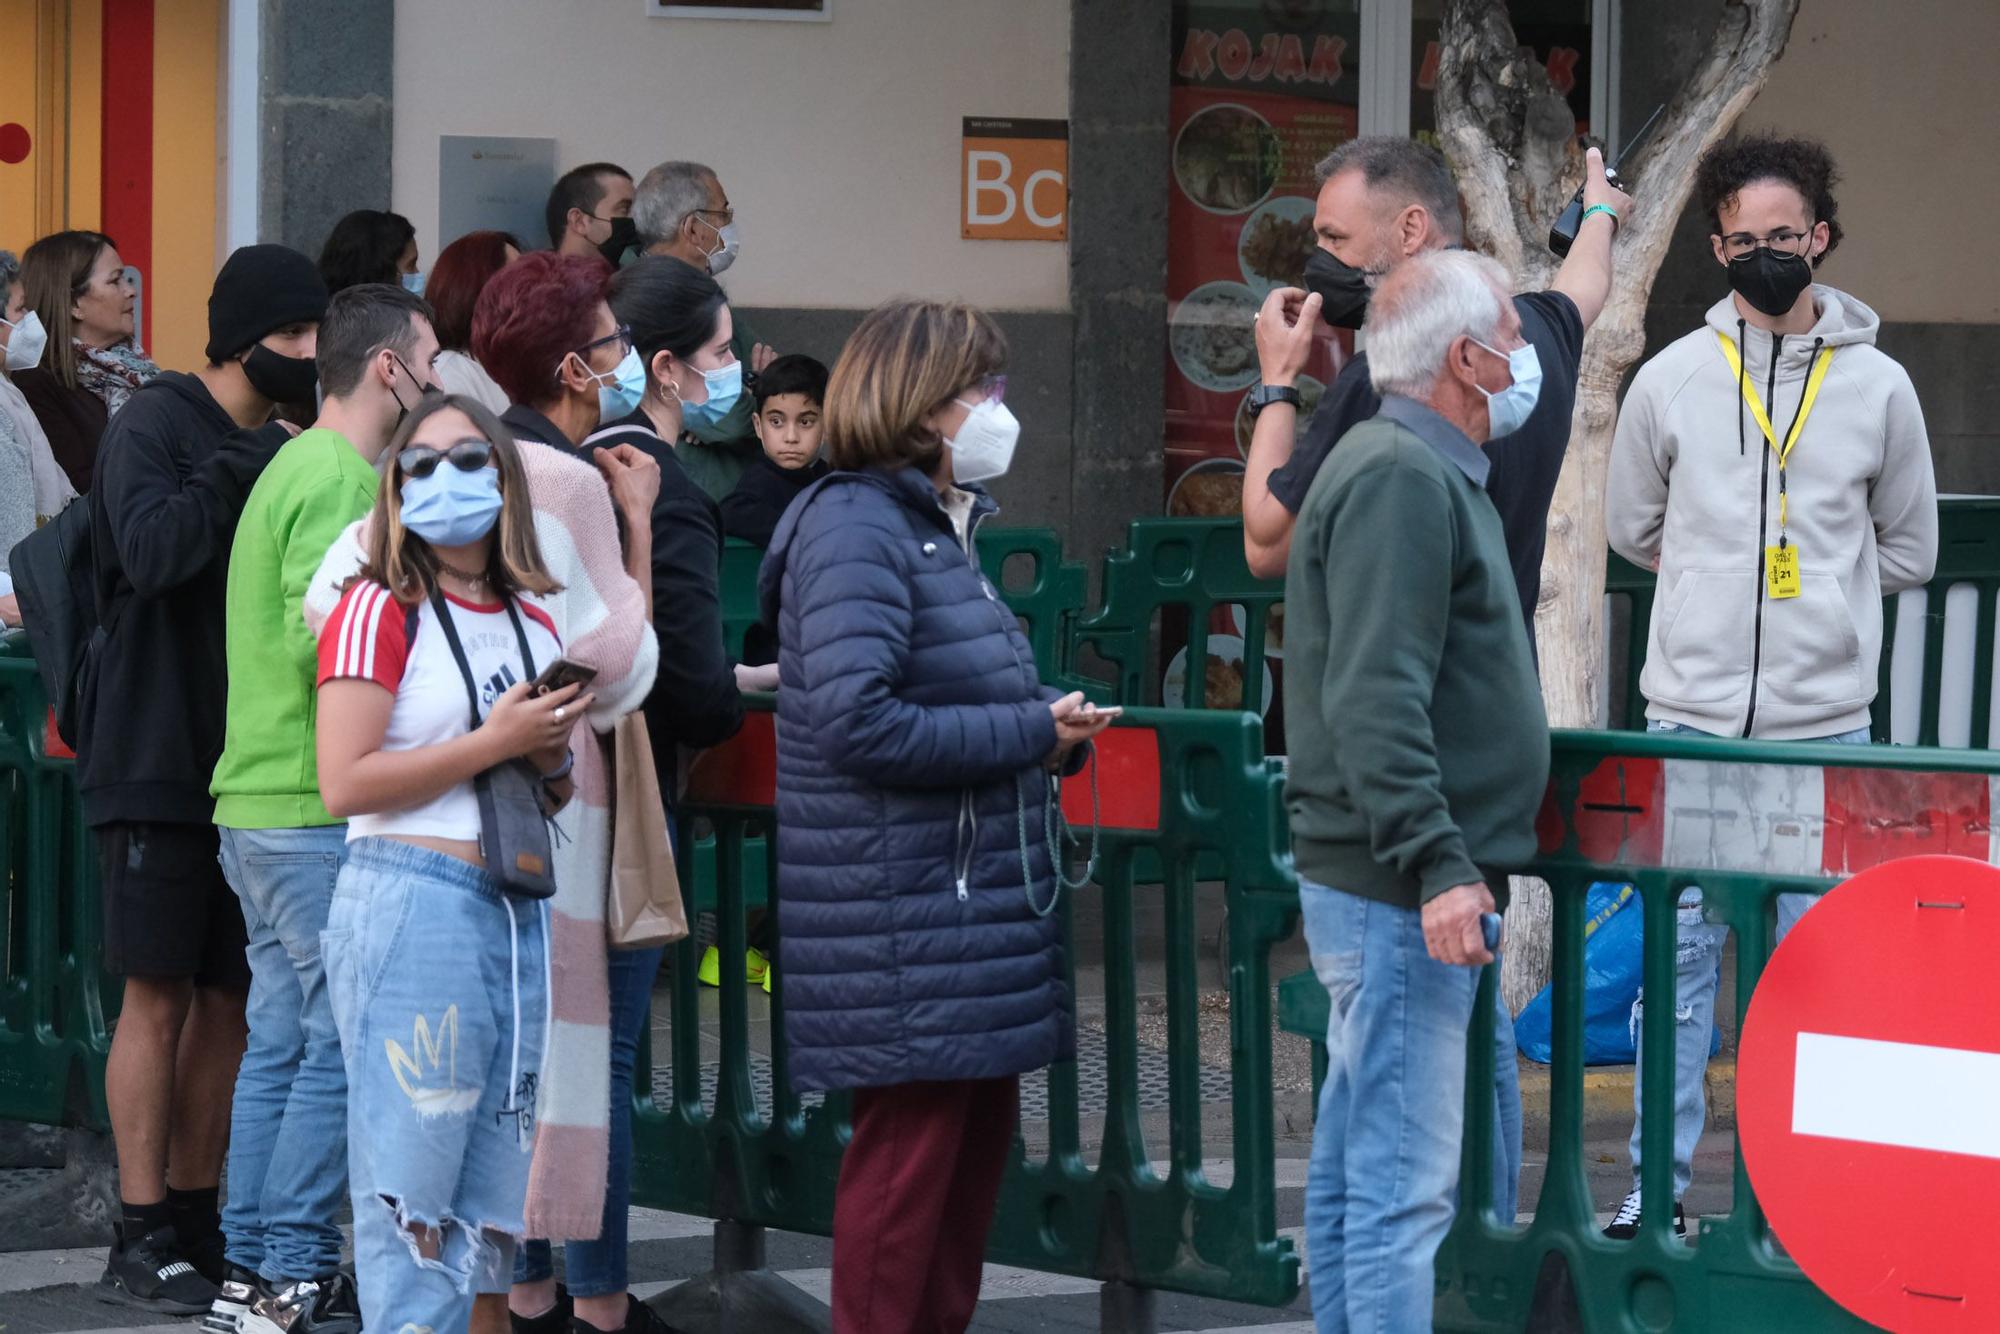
[1773, 467]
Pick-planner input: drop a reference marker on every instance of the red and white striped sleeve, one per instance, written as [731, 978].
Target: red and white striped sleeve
[366, 638]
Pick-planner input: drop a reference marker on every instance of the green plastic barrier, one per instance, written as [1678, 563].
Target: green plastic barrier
[1180, 787]
[54, 999]
[1026, 565]
[1608, 800]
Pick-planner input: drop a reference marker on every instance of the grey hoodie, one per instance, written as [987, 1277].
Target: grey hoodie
[1694, 493]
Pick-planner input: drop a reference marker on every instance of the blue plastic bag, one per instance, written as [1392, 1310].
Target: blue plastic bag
[1613, 969]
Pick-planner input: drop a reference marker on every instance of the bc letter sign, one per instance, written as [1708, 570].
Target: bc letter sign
[1014, 180]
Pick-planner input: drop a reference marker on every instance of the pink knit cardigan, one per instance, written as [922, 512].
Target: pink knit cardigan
[600, 617]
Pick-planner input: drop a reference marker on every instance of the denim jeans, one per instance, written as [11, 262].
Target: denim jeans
[1697, 975]
[1380, 1187]
[440, 989]
[288, 1123]
[597, 1268]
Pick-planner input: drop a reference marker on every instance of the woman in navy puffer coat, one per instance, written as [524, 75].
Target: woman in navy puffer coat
[922, 965]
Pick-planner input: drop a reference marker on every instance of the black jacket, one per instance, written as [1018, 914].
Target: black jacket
[762, 495]
[173, 472]
[694, 701]
[73, 420]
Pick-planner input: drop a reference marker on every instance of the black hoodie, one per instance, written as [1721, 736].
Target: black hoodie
[173, 472]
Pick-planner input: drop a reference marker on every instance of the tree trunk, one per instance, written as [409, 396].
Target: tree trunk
[1509, 137]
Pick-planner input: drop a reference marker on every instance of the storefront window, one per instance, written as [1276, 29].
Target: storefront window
[1262, 90]
[1557, 30]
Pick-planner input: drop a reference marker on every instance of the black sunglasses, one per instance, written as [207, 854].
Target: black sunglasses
[466, 456]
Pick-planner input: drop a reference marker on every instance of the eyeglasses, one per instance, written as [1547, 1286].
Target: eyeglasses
[1783, 241]
[727, 213]
[622, 335]
[466, 456]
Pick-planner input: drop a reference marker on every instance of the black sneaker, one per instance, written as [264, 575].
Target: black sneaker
[555, 1320]
[152, 1275]
[639, 1319]
[240, 1287]
[1625, 1223]
[209, 1258]
[310, 1306]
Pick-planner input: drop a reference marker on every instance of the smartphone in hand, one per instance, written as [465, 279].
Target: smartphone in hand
[562, 672]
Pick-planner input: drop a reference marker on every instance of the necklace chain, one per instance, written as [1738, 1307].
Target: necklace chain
[476, 581]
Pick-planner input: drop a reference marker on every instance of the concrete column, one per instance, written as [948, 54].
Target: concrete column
[328, 69]
[1121, 53]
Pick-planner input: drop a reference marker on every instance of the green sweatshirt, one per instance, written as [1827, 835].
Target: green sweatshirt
[268, 777]
[1419, 749]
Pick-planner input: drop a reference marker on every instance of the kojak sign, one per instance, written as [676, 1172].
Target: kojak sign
[1868, 1093]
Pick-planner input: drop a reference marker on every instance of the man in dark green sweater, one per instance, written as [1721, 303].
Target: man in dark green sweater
[1419, 754]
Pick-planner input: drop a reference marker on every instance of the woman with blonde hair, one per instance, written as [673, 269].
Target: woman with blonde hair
[436, 960]
[917, 875]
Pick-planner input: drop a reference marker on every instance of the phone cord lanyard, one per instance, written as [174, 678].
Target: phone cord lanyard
[1056, 833]
[1814, 380]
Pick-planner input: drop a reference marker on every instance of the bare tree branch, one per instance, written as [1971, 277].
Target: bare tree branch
[1510, 139]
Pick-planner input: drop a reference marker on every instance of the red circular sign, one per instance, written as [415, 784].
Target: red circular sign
[1868, 1094]
[15, 141]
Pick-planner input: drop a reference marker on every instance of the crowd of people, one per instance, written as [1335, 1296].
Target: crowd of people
[367, 595]
[363, 601]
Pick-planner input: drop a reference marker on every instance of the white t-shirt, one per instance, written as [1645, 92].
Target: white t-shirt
[400, 647]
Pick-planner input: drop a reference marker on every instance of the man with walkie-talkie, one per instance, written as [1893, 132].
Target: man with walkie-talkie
[1382, 200]
[1774, 468]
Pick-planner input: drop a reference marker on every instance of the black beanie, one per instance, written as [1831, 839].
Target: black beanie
[261, 288]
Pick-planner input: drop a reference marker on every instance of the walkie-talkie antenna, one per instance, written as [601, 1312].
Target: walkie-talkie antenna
[1563, 233]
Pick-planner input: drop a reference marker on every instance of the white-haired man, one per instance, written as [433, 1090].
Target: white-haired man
[681, 211]
[1419, 752]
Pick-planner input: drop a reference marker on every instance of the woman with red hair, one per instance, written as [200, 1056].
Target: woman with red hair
[460, 274]
[544, 332]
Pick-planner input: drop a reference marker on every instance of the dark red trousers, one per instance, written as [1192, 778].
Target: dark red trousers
[915, 1202]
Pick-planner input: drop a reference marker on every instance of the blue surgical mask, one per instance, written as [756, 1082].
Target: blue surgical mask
[413, 283]
[627, 387]
[1508, 410]
[725, 387]
[452, 507]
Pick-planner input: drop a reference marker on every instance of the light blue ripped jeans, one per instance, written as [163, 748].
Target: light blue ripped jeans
[440, 990]
[1697, 976]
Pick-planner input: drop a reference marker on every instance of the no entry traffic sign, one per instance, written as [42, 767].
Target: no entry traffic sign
[1868, 1094]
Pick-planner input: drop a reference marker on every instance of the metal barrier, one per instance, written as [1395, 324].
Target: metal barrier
[1178, 788]
[54, 999]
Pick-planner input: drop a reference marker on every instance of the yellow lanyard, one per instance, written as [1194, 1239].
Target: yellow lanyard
[1784, 451]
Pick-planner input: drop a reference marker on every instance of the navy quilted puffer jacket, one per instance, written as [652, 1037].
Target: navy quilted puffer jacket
[912, 729]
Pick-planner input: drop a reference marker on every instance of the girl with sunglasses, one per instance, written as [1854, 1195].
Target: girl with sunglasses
[437, 974]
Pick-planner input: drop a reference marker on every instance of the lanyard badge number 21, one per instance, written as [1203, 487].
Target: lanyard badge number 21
[1782, 578]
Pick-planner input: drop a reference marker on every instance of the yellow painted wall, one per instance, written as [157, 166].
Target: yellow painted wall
[187, 47]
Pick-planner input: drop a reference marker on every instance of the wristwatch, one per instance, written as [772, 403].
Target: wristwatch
[1264, 395]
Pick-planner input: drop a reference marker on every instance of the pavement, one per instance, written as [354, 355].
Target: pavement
[46, 1288]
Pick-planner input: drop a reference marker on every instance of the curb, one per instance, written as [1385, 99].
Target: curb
[1607, 1099]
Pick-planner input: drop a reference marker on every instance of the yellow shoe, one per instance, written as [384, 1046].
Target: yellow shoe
[756, 967]
[710, 972]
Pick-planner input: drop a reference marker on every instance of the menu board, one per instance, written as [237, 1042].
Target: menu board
[1261, 92]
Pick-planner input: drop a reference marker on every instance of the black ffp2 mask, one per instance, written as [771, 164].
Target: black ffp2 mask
[1343, 289]
[1769, 281]
[624, 236]
[280, 378]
